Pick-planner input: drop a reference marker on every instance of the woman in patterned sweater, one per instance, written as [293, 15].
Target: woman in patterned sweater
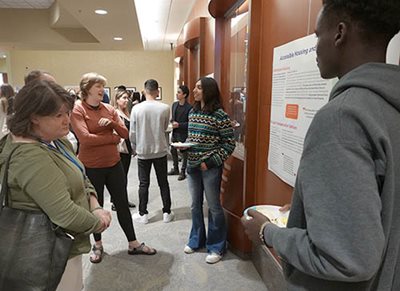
[211, 131]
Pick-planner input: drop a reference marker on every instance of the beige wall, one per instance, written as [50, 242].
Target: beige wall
[131, 68]
[3, 65]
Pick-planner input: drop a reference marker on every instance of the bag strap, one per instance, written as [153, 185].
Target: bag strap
[4, 183]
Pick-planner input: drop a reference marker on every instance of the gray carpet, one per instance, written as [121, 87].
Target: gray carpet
[170, 268]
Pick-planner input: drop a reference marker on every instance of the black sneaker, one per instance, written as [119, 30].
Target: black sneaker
[182, 176]
[173, 172]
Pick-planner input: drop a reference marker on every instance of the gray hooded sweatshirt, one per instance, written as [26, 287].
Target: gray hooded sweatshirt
[344, 227]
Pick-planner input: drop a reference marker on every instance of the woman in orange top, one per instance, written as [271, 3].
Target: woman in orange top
[99, 130]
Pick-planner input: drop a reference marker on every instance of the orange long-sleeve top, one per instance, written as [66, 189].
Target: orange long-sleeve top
[97, 144]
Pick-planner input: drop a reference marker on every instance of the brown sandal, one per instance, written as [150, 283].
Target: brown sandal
[97, 252]
[140, 250]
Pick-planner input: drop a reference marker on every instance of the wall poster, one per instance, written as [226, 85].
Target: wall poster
[298, 92]
[393, 51]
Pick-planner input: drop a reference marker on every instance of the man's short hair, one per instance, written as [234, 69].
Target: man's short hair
[151, 85]
[185, 90]
[375, 18]
[120, 87]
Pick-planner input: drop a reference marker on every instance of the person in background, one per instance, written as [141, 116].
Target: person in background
[120, 87]
[106, 98]
[211, 131]
[179, 120]
[343, 230]
[135, 100]
[71, 135]
[6, 103]
[45, 174]
[73, 93]
[142, 97]
[149, 121]
[38, 75]
[120, 103]
[99, 130]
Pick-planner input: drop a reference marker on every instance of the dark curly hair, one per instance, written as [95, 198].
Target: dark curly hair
[377, 19]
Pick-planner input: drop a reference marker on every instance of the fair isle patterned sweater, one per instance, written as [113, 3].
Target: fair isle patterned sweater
[213, 136]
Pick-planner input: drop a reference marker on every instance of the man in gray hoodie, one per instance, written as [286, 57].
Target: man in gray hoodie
[343, 231]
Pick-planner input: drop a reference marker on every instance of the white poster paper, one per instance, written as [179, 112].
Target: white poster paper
[298, 92]
[393, 51]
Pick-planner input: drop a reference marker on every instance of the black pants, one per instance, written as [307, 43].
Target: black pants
[126, 162]
[114, 179]
[144, 168]
[174, 154]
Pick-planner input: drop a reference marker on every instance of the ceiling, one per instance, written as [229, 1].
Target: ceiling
[74, 25]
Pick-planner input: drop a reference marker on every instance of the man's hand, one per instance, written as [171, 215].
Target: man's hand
[285, 207]
[252, 225]
[175, 124]
[203, 166]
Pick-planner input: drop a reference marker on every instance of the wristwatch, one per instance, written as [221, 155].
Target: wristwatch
[261, 233]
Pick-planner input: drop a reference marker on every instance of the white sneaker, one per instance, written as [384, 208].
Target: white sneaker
[140, 218]
[168, 217]
[188, 250]
[213, 258]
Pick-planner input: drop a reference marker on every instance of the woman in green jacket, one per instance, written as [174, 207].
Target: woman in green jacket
[45, 174]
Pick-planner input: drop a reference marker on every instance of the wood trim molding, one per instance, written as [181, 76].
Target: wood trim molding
[192, 32]
[218, 8]
[180, 51]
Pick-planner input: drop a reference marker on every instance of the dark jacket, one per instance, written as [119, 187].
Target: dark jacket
[180, 133]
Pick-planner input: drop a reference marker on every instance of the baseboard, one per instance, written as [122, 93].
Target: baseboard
[269, 268]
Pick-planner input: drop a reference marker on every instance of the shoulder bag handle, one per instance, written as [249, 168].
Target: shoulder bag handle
[4, 184]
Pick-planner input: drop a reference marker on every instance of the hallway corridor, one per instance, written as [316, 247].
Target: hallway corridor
[170, 268]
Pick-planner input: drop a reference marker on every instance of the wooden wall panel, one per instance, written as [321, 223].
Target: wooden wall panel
[284, 21]
[273, 23]
[232, 201]
[218, 8]
[315, 7]
[192, 32]
[200, 9]
[209, 46]
[231, 183]
[198, 36]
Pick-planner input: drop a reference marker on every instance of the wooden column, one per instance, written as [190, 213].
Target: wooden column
[233, 175]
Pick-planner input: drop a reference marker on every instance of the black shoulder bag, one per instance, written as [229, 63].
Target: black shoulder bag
[33, 251]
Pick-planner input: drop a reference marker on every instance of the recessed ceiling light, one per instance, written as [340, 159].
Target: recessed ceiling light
[101, 12]
[4, 56]
[118, 38]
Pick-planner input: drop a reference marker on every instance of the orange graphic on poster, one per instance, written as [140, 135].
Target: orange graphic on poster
[292, 111]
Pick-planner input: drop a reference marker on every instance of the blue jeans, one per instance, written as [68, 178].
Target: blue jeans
[208, 182]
